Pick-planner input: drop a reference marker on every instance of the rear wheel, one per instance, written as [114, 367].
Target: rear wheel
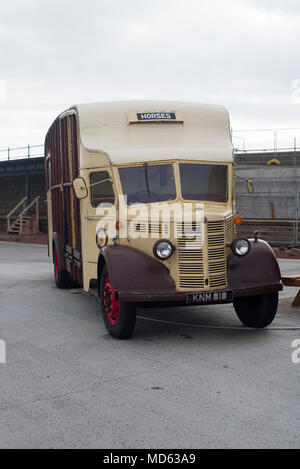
[257, 311]
[61, 276]
[119, 318]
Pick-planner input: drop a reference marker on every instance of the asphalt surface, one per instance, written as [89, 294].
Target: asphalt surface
[67, 384]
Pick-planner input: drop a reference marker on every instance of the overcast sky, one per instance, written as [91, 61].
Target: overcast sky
[240, 53]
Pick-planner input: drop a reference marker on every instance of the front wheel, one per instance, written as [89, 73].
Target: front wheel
[119, 318]
[257, 311]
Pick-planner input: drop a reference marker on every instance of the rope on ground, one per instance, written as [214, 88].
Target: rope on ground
[227, 328]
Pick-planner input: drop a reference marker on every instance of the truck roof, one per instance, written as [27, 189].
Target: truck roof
[170, 131]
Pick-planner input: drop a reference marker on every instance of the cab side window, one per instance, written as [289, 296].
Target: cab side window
[101, 189]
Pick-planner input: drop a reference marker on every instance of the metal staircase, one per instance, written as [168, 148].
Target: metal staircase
[26, 222]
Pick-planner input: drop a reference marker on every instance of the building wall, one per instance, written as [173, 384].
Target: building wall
[276, 193]
[13, 190]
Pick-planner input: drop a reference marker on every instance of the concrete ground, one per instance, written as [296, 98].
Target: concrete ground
[67, 384]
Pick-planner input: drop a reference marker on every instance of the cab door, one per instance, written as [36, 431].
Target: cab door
[101, 191]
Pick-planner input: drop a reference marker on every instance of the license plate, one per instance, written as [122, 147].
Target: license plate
[209, 298]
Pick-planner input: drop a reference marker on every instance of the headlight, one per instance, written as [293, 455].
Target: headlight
[241, 247]
[101, 238]
[163, 250]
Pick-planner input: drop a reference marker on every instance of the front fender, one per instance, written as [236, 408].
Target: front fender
[259, 269]
[132, 270]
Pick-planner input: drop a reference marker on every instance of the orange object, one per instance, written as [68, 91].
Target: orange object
[118, 225]
[238, 220]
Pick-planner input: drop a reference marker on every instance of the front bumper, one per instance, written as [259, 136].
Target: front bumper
[175, 297]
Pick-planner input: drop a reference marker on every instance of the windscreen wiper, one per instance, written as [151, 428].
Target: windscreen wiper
[147, 181]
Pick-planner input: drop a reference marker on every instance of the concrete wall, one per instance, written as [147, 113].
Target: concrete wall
[273, 186]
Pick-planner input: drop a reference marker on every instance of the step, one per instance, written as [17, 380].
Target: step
[17, 226]
[24, 221]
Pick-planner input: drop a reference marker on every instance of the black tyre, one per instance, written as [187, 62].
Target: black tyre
[257, 311]
[119, 318]
[61, 276]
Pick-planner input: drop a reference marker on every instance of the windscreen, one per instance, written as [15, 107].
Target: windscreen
[204, 182]
[148, 183]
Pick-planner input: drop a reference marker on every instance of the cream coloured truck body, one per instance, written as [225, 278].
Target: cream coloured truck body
[116, 135]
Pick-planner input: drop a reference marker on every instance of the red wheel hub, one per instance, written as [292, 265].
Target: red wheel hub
[56, 265]
[111, 303]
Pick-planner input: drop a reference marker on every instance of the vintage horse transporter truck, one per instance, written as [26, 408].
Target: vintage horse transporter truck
[128, 155]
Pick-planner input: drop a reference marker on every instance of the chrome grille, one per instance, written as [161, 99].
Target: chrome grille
[190, 256]
[192, 274]
[216, 254]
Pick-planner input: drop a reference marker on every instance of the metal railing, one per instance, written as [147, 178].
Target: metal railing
[30, 151]
[270, 139]
[266, 150]
[241, 140]
[37, 151]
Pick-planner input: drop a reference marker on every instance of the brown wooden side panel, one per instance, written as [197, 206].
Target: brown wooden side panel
[52, 146]
[62, 143]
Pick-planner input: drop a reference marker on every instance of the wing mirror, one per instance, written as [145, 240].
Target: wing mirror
[250, 186]
[80, 188]
[249, 182]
